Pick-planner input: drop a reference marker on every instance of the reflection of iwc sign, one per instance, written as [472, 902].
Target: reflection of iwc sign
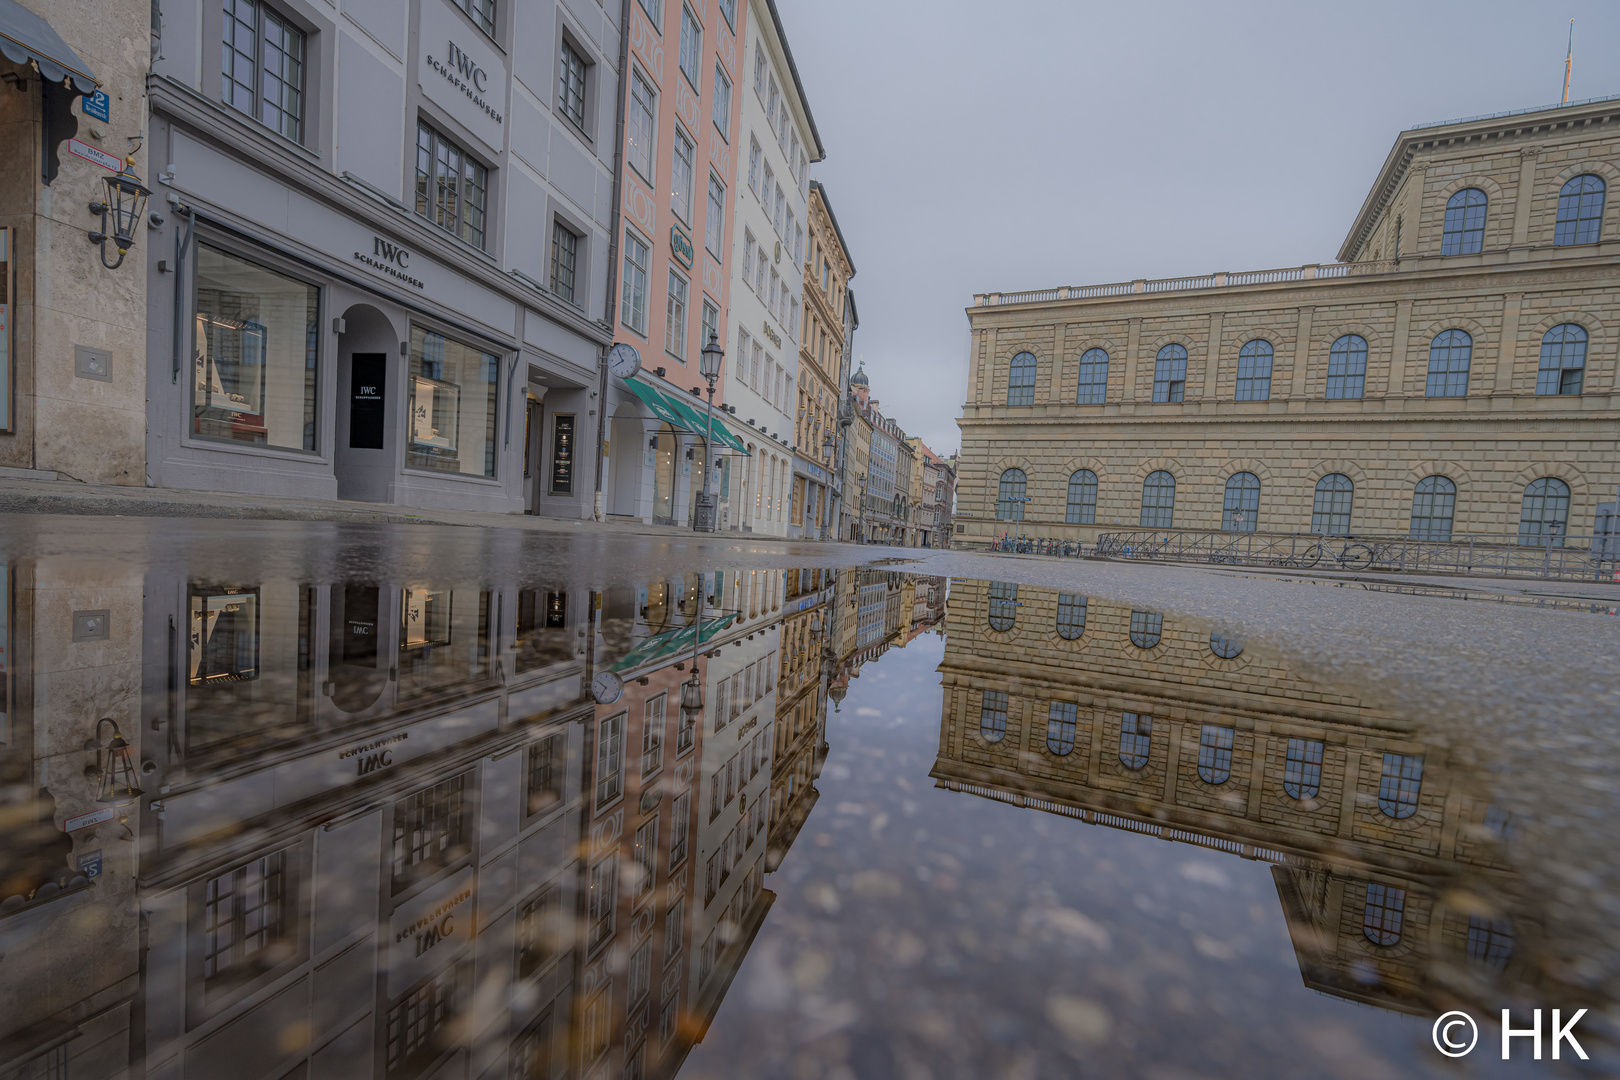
[1455, 1034]
[681, 246]
[607, 687]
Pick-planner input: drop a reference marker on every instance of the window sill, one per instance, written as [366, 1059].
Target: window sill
[229, 446]
[465, 478]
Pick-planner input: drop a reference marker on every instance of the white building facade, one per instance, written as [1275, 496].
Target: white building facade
[777, 141]
[383, 271]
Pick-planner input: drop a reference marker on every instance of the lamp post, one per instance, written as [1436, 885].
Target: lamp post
[828, 446]
[709, 367]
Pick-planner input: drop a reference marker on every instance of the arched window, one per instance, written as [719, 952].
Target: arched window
[1433, 502]
[1158, 500]
[1465, 223]
[1215, 754]
[1060, 727]
[993, 716]
[1302, 771]
[1003, 605]
[1082, 498]
[1021, 380]
[1490, 941]
[1010, 498]
[1093, 377]
[1226, 646]
[1170, 374]
[1254, 371]
[1330, 513]
[1347, 367]
[1071, 616]
[1563, 360]
[1241, 513]
[1399, 785]
[1381, 919]
[1146, 628]
[1449, 354]
[1580, 212]
[1544, 513]
[1135, 739]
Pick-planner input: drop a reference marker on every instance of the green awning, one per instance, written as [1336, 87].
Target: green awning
[677, 413]
[671, 643]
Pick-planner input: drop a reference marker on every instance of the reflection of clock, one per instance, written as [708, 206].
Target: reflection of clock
[623, 361]
[607, 687]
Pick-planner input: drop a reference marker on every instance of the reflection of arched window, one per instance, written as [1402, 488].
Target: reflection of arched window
[1021, 380]
[1158, 500]
[1490, 941]
[1347, 367]
[1241, 512]
[1580, 212]
[1254, 371]
[1464, 232]
[1071, 616]
[1082, 508]
[993, 716]
[1215, 754]
[1450, 353]
[1434, 501]
[1170, 374]
[1093, 378]
[1003, 605]
[1010, 496]
[1330, 513]
[1060, 720]
[1225, 646]
[1135, 740]
[1544, 512]
[1146, 628]
[1399, 785]
[1302, 771]
[1563, 360]
[1381, 919]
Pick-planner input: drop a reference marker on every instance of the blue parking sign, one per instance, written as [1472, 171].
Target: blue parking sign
[96, 105]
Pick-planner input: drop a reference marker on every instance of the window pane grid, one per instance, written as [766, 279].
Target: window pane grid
[1003, 605]
[1010, 497]
[564, 260]
[1241, 511]
[993, 716]
[1544, 512]
[1060, 726]
[1464, 231]
[1434, 501]
[1580, 212]
[1135, 740]
[1071, 616]
[1330, 513]
[1254, 371]
[1302, 771]
[1147, 627]
[1021, 380]
[1347, 367]
[571, 89]
[483, 13]
[1170, 374]
[1399, 785]
[1490, 941]
[283, 76]
[1215, 754]
[1563, 360]
[1158, 500]
[430, 826]
[1381, 921]
[1082, 503]
[1449, 356]
[243, 914]
[1093, 377]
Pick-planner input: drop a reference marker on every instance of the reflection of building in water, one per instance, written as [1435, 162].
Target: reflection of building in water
[1143, 722]
[801, 707]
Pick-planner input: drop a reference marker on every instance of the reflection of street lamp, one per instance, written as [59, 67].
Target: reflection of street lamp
[709, 367]
[113, 772]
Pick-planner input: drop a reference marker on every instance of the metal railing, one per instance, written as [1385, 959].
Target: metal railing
[1492, 555]
[1185, 283]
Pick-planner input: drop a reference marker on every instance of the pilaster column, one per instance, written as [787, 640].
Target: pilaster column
[1212, 356]
[1397, 360]
[1133, 341]
[1507, 352]
[1054, 394]
[1302, 353]
[1524, 197]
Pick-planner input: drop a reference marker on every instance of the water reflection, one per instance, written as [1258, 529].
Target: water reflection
[1388, 854]
[402, 827]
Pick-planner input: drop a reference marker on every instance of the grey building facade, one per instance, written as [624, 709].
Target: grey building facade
[384, 263]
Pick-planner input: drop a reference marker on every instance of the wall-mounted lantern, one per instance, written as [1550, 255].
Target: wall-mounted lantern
[126, 202]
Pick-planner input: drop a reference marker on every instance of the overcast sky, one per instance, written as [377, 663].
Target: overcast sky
[1021, 145]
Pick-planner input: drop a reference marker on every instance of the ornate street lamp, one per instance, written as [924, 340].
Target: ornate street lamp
[126, 202]
[709, 367]
[113, 771]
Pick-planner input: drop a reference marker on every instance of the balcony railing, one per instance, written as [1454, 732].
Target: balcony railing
[1223, 280]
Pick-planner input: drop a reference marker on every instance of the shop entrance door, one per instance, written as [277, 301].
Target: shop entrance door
[368, 405]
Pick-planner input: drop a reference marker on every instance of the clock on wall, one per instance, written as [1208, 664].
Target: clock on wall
[623, 361]
[607, 687]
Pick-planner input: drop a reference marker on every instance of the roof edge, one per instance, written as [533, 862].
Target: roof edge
[798, 84]
[817, 185]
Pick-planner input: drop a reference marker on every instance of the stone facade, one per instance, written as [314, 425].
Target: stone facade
[1507, 287]
[1328, 846]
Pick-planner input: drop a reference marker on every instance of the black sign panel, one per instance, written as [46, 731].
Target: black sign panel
[368, 378]
[562, 456]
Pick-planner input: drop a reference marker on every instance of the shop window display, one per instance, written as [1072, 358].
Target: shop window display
[452, 409]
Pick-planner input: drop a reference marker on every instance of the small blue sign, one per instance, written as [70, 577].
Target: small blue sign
[90, 864]
[96, 105]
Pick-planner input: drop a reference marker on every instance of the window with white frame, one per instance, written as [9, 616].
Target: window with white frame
[798, 246]
[691, 45]
[728, 8]
[765, 187]
[262, 72]
[640, 125]
[634, 301]
[722, 102]
[655, 10]
[759, 68]
[748, 255]
[753, 164]
[571, 67]
[609, 759]
[714, 225]
[564, 260]
[793, 318]
[482, 12]
[772, 96]
[761, 265]
[451, 188]
[675, 317]
[711, 322]
[682, 170]
[779, 210]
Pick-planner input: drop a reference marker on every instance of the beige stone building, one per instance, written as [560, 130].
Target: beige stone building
[828, 269]
[1454, 373]
[1385, 846]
